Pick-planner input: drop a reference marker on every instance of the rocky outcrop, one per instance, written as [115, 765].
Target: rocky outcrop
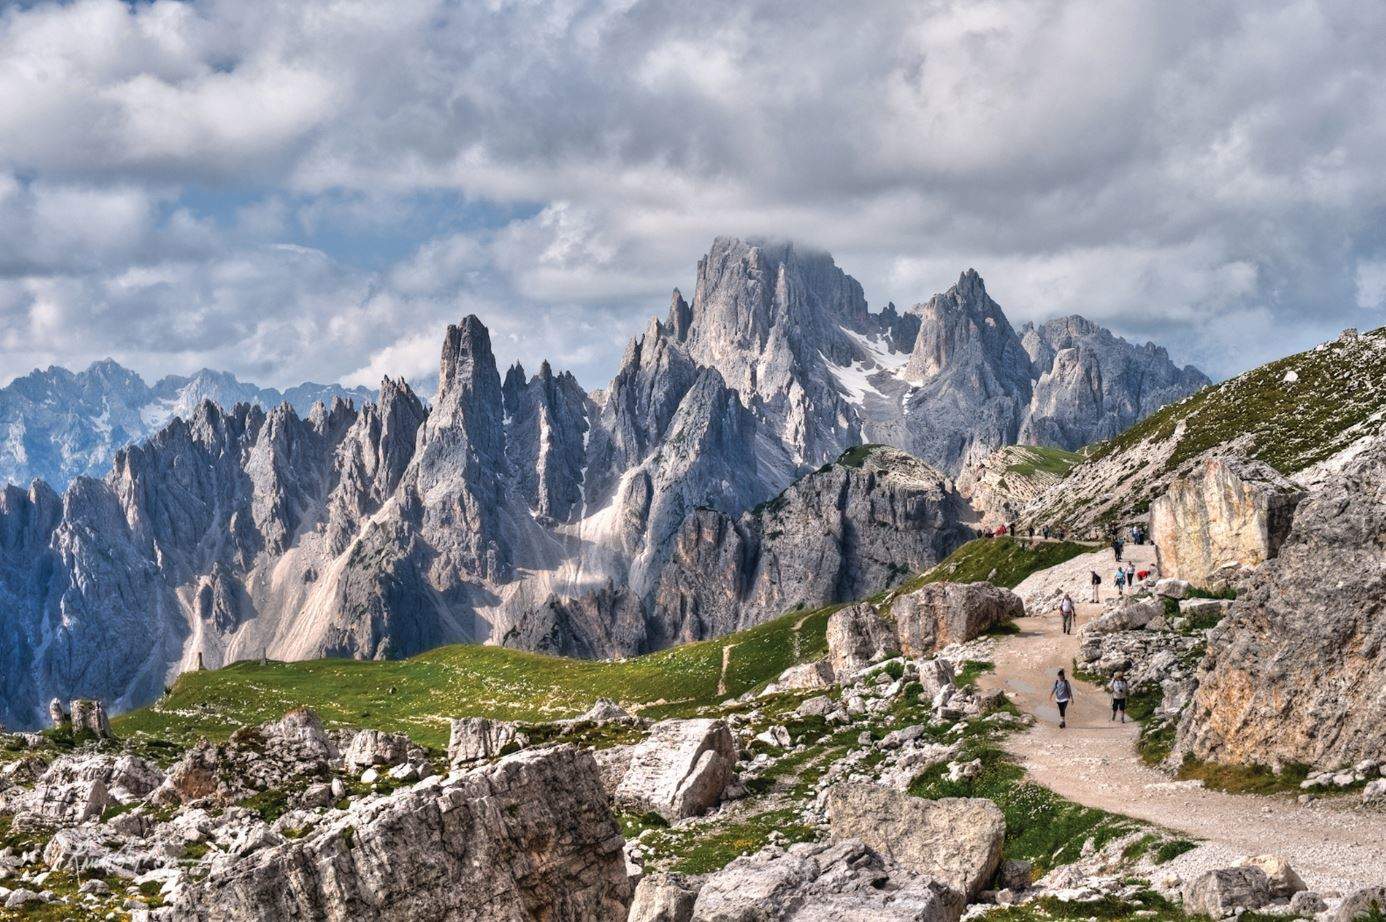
[1226, 891]
[475, 738]
[1000, 485]
[664, 898]
[1226, 515]
[679, 770]
[857, 637]
[938, 614]
[844, 532]
[531, 836]
[955, 840]
[1294, 671]
[1313, 413]
[916, 623]
[817, 881]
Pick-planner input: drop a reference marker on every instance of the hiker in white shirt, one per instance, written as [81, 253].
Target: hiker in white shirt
[1119, 690]
[1066, 613]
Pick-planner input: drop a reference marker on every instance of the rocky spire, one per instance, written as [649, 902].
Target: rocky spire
[680, 317]
[973, 376]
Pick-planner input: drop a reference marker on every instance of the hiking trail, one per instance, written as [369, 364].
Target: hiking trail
[1095, 763]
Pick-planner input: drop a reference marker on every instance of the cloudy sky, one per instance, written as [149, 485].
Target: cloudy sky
[313, 188]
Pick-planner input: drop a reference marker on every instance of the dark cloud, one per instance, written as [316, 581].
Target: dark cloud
[1209, 174]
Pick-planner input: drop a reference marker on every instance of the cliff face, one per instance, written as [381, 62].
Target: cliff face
[1293, 673]
[842, 533]
[521, 509]
[1229, 514]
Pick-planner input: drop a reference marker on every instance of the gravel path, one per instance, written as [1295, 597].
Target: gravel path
[1335, 844]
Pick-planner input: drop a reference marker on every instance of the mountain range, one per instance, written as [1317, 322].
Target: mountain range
[718, 480]
[56, 425]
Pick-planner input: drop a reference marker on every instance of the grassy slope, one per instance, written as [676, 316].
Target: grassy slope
[418, 695]
[1292, 426]
[1035, 459]
[1000, 561]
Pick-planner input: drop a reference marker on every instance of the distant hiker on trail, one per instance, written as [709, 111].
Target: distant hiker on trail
[1119, 690]
[1061, 694]
[1096, 581]
[1120, 581]
[1116, 548]
[1045, 531]
[1066, 612]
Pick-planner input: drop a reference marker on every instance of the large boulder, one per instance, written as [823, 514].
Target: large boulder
[1224, 891]
[370, 748]
[531, 836]
[300, 734]
[89, 716]
[858, 637]
[1129, 615]
[476, 738]
[956, 840]
[664, 898]
[917, 624]
[1360, 905]
[938, 614]
[1296, 671]
[1225, 514]
[1284, 881]
[680, 769]
[817, 674]
[817, 882]
[61, 803]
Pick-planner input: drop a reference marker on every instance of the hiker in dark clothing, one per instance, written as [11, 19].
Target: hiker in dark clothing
[1116, 548]
[1061, 694]
[1096, 581]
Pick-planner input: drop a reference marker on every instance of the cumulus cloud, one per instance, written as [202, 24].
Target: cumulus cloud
[312, 188]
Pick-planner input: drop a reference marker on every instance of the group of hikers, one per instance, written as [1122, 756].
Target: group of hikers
[1062, 695]
[1126, 575]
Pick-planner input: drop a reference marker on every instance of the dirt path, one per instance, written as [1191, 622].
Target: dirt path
[726, 661]
[1333, 845]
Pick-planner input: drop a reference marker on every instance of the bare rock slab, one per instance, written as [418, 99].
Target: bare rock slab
[531, 836]
[1224, 891]
[1226, 514]
[955, 839]
[475, 738]
[817, 882]
[680, 769]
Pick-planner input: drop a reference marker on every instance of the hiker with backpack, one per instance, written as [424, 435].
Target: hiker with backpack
[1061, 694]
[1096, 581]
[1066, 610]
[1120, 581]
[1119, 690]
[1116, 548]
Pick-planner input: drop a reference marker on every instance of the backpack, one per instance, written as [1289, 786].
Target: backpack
[1096, 580]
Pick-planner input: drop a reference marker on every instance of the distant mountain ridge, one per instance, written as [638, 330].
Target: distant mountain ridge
[56, 424]
[522, 509]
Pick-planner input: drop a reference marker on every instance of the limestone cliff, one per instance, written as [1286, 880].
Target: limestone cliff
[1294, 673]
